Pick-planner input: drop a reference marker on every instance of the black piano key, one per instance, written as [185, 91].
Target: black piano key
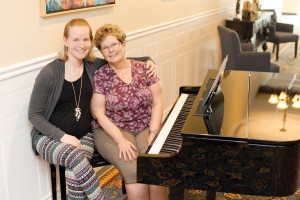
[171, 144]
[172, 148]
[166, 151]
[175, 141]
[173, 134]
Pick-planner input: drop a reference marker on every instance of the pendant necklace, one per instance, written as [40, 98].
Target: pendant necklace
[77, 108]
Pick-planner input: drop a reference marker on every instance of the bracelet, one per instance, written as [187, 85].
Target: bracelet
[154, 131]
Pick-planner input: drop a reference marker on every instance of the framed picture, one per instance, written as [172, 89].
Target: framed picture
[56, 7]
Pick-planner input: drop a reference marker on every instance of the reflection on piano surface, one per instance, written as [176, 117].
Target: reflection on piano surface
[218, 159]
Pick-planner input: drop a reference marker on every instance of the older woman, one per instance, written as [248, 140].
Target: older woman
[127, 104]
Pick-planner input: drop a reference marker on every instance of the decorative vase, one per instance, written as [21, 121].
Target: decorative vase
[247, 10]
[255, 7]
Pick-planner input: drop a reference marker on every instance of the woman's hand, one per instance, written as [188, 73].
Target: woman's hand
[69, 139]
[151, 69]
[126, 149]
[150, 138]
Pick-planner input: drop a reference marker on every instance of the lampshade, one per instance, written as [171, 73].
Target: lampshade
[282, 95]
[296, 101]
[273, 99]
[296, 98]
[282, 104]
[282, 99]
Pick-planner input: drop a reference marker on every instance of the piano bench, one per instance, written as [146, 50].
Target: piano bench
[96, 161]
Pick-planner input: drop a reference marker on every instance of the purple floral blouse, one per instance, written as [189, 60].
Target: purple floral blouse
[127, 105]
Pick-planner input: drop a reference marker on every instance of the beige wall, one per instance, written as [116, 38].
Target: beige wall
[290, 6]
[25, 35]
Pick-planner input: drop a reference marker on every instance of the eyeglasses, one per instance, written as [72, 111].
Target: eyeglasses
[114, 46]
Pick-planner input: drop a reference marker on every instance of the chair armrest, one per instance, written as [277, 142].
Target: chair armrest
[284, 27]
[247, 47]
[253, 61]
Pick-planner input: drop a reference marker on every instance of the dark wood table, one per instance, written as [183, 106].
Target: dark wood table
[254, 30]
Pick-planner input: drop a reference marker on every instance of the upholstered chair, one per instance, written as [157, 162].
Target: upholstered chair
[281, 33]
[242, 56]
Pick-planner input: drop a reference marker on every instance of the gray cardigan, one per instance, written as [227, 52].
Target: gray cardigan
[46, 92]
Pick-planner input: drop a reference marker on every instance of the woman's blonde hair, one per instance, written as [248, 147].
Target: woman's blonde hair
[63, 55]
[108, 29]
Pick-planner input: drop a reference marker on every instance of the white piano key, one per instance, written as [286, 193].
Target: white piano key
[157, 145]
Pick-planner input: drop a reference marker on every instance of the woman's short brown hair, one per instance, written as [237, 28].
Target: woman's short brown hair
[63, 55]
[108, 29]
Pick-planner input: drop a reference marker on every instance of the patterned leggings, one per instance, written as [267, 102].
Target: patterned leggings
[81, 178]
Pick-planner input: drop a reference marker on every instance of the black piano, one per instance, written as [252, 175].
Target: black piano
[235, 146]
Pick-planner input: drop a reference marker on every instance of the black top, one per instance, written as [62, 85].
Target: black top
[63, 115]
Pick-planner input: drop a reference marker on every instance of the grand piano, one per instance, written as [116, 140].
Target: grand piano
[235, 145]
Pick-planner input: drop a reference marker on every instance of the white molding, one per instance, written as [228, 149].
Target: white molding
[38, 63]
[24, 67]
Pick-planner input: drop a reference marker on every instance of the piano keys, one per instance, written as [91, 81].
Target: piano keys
[233, 160]
[169, 139]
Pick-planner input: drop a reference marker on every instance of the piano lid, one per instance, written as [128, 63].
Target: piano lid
[247, 112]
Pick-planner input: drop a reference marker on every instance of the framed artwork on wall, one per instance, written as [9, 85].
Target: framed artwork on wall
[56, 7]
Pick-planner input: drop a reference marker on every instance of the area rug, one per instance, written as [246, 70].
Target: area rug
[200, 195]
[111, 183]
[287, 61]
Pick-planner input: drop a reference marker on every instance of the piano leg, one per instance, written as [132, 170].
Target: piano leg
[176, 193]
[210, 195]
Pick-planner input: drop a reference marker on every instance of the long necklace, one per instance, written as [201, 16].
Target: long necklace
[77, 108]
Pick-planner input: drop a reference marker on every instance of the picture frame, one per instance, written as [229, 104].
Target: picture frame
[57, 7]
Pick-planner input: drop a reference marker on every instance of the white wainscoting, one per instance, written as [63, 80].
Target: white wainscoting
[183, 51]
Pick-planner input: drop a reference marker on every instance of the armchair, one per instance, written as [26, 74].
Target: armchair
[241, 56]
[281, 33]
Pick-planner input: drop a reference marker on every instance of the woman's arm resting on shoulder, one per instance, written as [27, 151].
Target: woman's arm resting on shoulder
[150, 65]
[151, 68]
[126, 148]
[157, 109]
[143, 59]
